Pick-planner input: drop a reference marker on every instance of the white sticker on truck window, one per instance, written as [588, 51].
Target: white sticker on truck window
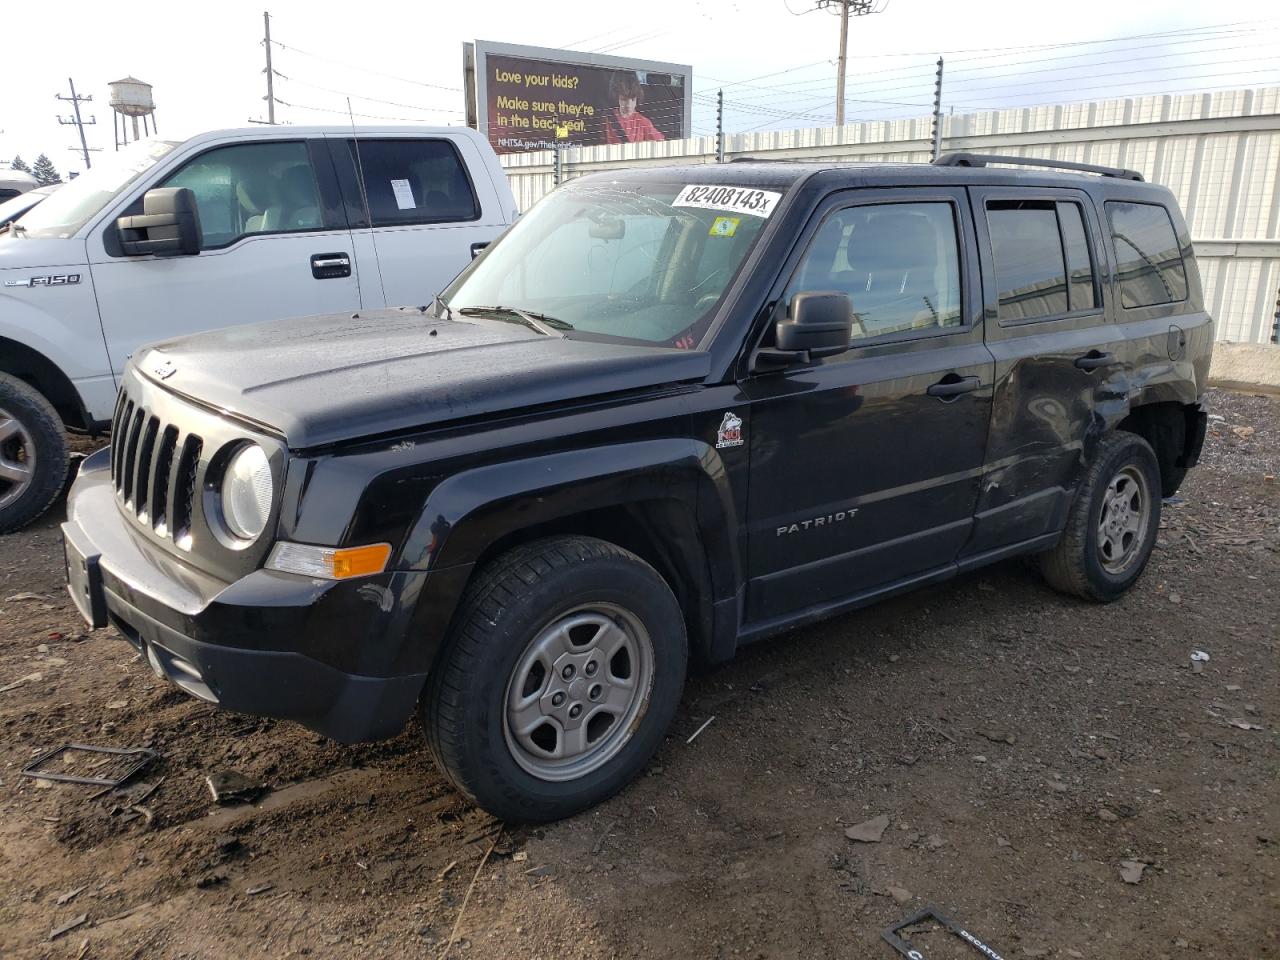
[755, 203]
[404, 194]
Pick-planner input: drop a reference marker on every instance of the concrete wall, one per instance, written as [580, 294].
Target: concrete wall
[1251, 366]
[1218, 152]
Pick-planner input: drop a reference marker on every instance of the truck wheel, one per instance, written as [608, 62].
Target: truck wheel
[33, 454]
[559, 680]
[1113, 523]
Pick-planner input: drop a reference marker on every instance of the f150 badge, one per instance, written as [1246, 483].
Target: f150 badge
[730, 434]
[57, 280]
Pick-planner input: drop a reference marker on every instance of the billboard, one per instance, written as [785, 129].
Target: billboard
[534, 98]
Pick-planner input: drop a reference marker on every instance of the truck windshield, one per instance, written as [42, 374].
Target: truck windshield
[69, 208]
[639, 261]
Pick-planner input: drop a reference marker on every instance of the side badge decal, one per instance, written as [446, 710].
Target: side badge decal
[730, 434]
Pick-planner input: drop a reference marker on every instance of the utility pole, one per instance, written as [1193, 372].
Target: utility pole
[856, 8]
[80, 124]
[720, 126]
[937, 113]
[271, 96]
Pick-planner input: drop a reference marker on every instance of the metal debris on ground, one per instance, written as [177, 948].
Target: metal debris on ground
[699, 730]
[228, 786]
[67, 927]
[1131, 870]
[892, 935]
[1244, 724]
[869, 831]
[29, 678]
[138, 759]
[71, 895]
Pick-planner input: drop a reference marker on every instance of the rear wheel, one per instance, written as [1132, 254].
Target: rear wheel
[1111, 529]
[33, 454]
[559, 681]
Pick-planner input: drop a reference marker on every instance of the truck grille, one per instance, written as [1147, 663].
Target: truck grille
[153, 468]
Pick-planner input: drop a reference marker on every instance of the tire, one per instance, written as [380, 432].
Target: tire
[33, 454]
[1171, 478]
[493, 714]
[1100, 557]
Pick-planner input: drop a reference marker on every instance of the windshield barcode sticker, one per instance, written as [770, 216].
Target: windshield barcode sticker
[755, 203]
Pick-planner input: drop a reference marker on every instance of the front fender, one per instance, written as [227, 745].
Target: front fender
[468, 513]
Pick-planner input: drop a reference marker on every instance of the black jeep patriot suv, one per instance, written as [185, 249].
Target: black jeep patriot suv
[671, 411]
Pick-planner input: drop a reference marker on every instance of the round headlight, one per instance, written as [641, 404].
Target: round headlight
[247, 492]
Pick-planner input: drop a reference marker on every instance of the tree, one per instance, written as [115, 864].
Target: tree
[45, 172]
[20, 164]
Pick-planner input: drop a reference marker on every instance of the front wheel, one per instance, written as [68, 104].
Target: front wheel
[33, 454]
[1111, 529]
[561, 676]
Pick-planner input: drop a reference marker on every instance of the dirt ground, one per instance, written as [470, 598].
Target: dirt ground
[1023, 746]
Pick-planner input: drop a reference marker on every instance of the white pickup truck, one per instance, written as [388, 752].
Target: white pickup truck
[166, 238]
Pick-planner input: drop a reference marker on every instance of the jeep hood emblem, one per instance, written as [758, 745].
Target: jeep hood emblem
[164, 369]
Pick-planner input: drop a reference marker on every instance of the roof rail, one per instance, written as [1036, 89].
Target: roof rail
[982, 159]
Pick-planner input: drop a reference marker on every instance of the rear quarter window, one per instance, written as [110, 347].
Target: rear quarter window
[1148, 256]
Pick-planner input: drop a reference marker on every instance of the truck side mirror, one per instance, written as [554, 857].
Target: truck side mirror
[819, 323]
[169, 225]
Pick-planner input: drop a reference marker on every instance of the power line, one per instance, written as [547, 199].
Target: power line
[1055, 84]
[367, 116]
[352, 66]
[1249, 25]
[894, 85]
[361, 96]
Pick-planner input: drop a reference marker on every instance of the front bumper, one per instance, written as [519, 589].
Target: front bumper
[330, 655]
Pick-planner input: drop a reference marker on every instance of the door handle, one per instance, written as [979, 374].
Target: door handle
[952, 386]
[1093, 360]
[478, 248]
[330, 266]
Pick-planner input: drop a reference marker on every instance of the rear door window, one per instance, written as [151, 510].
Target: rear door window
[414, 181]
[1042, 261]
[1148, 256]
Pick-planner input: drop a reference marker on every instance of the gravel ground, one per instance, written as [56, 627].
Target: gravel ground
[1026, 752]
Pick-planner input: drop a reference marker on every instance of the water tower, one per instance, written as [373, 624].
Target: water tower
[131, 97]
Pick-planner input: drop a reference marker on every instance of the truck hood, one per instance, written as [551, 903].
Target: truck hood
[21, 253]
[322, 380]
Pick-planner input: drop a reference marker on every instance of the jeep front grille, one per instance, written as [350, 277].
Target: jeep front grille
[153, 481]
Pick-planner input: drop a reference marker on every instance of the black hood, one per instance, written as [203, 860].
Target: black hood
[321, 380]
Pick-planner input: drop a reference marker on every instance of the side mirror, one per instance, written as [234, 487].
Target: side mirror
[169, 225]
[819, 324]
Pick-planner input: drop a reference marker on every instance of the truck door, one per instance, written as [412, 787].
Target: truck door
[865, 466]
[429, 214]
[1057, 357]
[275, 244]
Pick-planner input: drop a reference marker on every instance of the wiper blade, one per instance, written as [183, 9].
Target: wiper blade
[536, 321]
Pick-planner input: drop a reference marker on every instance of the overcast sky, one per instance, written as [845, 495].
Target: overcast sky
[776, 63]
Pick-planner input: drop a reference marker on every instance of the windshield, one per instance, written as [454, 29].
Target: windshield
[639, 261]
[66, 211]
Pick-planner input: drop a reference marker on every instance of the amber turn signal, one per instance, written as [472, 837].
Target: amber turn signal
[331, 563]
